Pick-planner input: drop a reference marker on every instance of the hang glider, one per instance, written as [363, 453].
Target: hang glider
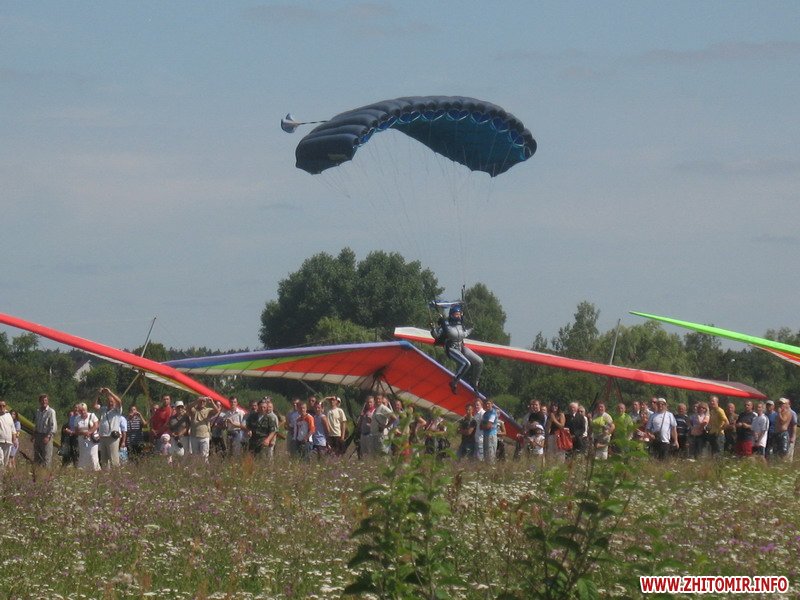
[384, 367]
[785, 351]
[695, 384]
[154, 370]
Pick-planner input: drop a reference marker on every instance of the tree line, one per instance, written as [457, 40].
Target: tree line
[338, 299]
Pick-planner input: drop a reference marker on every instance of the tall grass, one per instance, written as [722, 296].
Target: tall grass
[282, 529]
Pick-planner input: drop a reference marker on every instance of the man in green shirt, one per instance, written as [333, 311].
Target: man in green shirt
[263, 428]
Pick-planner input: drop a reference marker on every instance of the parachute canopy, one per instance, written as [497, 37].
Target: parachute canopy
[480, 135]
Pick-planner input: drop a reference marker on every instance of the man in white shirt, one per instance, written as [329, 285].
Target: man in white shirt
[663, 430]
[337, 421]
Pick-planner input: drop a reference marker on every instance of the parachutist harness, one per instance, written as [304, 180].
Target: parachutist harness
[450, 333]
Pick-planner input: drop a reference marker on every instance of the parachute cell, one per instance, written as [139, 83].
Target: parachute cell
[480, 135]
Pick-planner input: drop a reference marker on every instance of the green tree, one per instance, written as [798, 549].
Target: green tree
[155, 351]
[5, 347]
[648, 346]
[23, 345]
[579, 339]
[323, 287]
[99, 376]
[378, 294]
[391, 292]
[705, 353]
[486, 316]
[330, 330]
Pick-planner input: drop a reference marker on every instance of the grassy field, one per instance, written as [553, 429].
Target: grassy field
[239, 529]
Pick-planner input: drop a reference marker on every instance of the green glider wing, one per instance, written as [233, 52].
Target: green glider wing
[784, 351]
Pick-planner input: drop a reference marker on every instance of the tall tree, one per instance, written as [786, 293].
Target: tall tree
[322, 287]
[578, 339]
[705, 353]
[486, 316]
[380, 293]
[391, 292]
[330, 330]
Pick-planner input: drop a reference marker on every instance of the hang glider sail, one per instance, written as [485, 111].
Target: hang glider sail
[480, 135]
[695, 384]
[385, 367]
[158, 371]
[785, 351]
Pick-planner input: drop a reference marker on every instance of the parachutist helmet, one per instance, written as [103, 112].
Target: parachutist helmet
[455, 312]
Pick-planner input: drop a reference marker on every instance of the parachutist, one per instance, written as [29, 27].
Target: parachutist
[450, 333]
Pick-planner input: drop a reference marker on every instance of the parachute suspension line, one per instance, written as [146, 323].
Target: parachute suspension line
[462, 250]
[406, 187]
[367, 193]
[386, 191]
[388, 182]
[334, 180]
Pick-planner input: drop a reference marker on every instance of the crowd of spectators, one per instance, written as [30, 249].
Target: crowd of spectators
[766, 429]
[106, 436]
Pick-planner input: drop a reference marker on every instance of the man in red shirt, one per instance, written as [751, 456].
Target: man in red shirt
[159, 421]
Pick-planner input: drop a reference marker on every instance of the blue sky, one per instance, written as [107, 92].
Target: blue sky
[144, 173]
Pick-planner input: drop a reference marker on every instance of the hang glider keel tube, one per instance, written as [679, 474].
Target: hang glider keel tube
[396, 368]
[695, 384]
[158, 371]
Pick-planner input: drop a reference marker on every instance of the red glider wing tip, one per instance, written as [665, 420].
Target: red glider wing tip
[113, 354]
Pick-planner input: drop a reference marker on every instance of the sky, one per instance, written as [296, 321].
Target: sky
[144, 173]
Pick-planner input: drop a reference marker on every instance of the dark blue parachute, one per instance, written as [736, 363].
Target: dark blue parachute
[477, 134]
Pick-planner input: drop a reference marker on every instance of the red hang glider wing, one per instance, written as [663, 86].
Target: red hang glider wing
[387, 367]
[155, 370]
[722, 388]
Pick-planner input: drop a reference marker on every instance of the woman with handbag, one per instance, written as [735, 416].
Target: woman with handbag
[86, 429]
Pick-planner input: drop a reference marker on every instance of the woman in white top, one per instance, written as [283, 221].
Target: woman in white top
[85, 427]
[12, 453]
